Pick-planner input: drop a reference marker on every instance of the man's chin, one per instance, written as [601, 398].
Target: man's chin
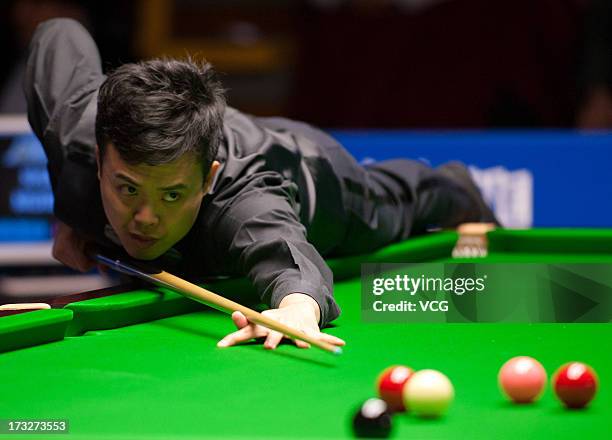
[144, 254]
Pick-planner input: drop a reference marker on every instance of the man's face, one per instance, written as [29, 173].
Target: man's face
[151, 208]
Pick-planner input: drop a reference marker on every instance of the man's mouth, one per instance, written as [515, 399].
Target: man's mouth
[143, 239]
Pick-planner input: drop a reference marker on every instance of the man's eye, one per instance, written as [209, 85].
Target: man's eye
[127, 190]
[172, 196]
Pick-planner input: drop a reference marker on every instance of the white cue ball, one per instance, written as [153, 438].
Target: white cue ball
[428, 393]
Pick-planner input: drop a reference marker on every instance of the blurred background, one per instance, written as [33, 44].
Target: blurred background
[520, 90]
[361, 63]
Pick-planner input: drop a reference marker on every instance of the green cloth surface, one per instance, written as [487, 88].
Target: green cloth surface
[167, 379]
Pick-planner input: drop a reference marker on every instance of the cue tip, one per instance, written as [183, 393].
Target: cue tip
[337, 351]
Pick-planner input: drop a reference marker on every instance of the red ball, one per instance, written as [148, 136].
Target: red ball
[390, 384]
[575, 384]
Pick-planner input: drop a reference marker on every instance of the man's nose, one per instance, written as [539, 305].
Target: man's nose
[146, 217]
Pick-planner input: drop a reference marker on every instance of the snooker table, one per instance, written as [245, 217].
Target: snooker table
[143, 364]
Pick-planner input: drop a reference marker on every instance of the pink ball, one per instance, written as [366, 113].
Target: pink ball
[522, 379]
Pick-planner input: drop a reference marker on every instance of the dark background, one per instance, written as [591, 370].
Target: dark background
[362, 63]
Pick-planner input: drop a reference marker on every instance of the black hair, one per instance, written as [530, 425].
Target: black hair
[154, 112]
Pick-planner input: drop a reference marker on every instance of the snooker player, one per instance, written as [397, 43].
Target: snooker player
[149, 159]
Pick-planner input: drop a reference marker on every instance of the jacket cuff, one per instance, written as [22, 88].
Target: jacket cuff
[327, 306]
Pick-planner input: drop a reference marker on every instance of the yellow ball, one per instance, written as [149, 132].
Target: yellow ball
[428, 393]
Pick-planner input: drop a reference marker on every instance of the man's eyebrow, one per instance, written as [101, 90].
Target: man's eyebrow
[173, 187]
[165, 188]
[126, 178]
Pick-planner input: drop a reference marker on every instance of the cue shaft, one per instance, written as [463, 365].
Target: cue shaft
[223, 304]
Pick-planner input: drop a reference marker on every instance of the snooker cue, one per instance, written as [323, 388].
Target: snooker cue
[213, 300]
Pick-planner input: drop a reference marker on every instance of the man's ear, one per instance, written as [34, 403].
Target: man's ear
[214, 167]
[98, 162]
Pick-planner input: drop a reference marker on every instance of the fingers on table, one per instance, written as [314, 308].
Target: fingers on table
[321, 337]
[240, 320]
[301, 344]
[331, 339]
[273, 339]
[244, 334]
[247, 331]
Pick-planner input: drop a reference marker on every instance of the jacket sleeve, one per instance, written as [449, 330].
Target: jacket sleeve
[63, 74]
[260, 235]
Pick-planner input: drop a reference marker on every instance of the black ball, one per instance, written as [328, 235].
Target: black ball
[373, 420]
